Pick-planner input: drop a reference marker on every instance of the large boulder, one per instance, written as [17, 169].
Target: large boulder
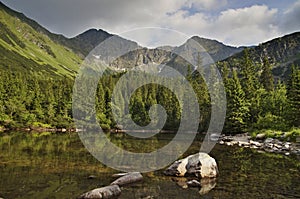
[200, 164]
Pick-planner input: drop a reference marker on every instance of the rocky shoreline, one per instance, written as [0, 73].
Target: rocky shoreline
[262, 143]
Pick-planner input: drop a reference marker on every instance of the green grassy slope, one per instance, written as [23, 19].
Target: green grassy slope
[26, 49]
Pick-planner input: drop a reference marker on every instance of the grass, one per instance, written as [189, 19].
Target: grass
[36, 47]
[290, 135]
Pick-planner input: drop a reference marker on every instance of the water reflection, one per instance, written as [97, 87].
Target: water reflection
[49, 165]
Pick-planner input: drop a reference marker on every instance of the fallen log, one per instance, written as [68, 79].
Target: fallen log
[129, 178]
[111, 191]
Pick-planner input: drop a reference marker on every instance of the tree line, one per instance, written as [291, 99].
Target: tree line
[255, 100]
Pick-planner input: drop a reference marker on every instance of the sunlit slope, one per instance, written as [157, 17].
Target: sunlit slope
[26, 49]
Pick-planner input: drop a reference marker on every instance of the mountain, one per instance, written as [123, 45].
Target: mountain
[28, 47]
[217, 50]
[171, 56]
[281, 52]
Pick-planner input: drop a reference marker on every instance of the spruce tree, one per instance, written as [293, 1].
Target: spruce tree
[250, 85]
[293, 93]
[266, 77]
[237, 109]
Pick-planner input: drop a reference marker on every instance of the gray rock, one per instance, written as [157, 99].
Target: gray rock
[200, 164]
[260, 136]
[257, 144]
[107, 192]
[269, 140]
[128, 179]
[278, 146]
[242, 143]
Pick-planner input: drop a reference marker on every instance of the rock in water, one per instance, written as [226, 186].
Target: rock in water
[129, 178]
[199, 164]
[107, 192]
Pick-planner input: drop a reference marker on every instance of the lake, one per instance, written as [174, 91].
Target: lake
[57, 165]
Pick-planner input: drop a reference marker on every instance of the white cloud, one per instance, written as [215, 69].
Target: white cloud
[290, 20]
[205, 4]
[242, 26]
[245, 25]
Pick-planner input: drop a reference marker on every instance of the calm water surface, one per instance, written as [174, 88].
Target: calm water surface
[47, 165]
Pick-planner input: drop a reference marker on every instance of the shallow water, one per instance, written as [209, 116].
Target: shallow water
[47, 165]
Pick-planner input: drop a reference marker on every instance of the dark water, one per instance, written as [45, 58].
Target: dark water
[44, 165]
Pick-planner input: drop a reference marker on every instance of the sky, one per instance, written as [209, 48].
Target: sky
[168, 22]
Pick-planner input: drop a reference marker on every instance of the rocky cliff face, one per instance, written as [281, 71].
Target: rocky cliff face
[171, 55]
[282, 53]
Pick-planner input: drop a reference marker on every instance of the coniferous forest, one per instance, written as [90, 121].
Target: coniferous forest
[208, 112]
[255, 100]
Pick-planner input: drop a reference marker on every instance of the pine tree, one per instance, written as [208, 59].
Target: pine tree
[266, 77]
[250, 86]
[293, 93]
[237, 109]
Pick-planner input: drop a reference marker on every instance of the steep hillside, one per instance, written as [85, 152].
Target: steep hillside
[27, 49]
[282, 53]
[216, 49]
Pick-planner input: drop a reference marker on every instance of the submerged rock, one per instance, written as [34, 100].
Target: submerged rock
[128, 179]
[200, 164]
[111, 191]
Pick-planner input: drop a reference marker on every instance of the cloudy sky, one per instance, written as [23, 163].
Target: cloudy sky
[233, 22]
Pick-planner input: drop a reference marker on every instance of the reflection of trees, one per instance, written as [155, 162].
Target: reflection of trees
[249, 174]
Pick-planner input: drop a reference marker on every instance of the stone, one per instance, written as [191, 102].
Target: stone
[214, 137]
[260, 136]
[241, 143]
[277, 146]
[258, 144]
[200, 164]
[222, 142]
[107, 192]
[229, 144]
[269, 140]
[129, 178]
